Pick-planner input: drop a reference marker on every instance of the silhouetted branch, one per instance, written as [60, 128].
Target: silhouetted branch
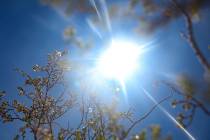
[190, 37]
[189, 104]
[146, 115]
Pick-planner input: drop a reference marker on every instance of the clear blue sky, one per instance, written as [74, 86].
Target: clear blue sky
[29, 31]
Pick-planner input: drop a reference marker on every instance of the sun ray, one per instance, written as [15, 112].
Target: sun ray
[168, 114]
[124, 90]
[96, 8]
[106, 15]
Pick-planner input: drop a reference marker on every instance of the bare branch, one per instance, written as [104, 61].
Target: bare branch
[146, 115]
[191, 37]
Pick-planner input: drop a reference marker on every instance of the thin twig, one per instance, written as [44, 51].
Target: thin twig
[146, 115]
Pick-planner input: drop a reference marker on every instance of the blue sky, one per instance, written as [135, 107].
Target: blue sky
[29, 31]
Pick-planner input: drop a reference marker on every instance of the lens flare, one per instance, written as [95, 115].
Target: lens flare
[168, 115]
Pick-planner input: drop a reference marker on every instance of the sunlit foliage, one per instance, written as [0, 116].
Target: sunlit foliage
[190, 99]
[155, 131]
[43, 107]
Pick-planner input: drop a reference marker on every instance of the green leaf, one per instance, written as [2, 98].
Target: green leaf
[69, 32]
[78, 135]
[100, 137]
[60, 136]
[186, 84]
[142, 135]
[155, 130]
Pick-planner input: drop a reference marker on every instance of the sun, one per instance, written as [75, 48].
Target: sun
[119, 60]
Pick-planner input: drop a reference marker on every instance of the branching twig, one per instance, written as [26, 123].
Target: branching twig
[190, 37]
[146, 115]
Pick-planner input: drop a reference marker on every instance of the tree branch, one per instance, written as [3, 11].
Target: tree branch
[191, 38]
[146, 115]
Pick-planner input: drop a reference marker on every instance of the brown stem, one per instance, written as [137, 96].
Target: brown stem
[199, 104]
[191, 38]
[146, 115]
[196, 101]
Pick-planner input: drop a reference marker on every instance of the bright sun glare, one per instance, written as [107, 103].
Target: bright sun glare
[119, 60]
